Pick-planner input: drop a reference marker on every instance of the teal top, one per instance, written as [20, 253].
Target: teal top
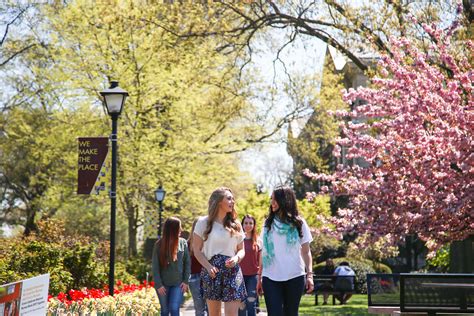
[176, 272]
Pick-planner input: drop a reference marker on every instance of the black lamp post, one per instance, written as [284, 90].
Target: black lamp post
[160, 196]
[114, 98]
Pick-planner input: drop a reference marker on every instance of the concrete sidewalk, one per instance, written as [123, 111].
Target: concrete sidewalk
[188, 309]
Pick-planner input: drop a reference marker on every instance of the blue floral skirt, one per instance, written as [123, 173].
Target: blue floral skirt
[227, 286]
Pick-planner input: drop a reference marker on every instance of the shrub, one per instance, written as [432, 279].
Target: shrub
[440, 262]
[138, 267]
[71, 261]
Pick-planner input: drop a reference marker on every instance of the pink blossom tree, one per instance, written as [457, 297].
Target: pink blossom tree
[414, 130]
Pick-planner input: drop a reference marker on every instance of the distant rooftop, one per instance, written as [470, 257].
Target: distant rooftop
[340, 60]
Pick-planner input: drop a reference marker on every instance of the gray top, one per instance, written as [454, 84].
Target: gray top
[176, 272]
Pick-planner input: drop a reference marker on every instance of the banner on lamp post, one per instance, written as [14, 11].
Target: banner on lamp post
[92, 154]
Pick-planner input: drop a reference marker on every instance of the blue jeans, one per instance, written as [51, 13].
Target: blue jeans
[171, 301]
[250, 301]
[195, 288]
[283, 297]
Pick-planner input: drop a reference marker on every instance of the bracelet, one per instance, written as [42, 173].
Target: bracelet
[309, 273]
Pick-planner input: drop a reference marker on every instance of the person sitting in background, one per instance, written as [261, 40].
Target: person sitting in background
[345, 281]
[327, 286]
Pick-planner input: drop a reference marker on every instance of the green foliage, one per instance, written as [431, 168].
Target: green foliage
[27, 257]
[313, 147]
[320, 206]
[255, 204]
[361, 267]
[82, 264]
[186, 114]
[381, 267]
[375, 251]
[73, 262]
[440, 262]
[138, 268]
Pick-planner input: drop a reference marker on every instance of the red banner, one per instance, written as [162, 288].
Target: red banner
[92, 154]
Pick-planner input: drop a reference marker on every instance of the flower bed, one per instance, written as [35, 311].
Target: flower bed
[128, 299]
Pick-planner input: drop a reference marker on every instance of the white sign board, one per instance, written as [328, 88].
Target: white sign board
[27, 297]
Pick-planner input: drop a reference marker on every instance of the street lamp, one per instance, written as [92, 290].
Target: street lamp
[160, 196]
[114, 98]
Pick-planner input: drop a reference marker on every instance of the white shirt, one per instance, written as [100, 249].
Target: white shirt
[344, 270]
[288, 262]
[219, 241]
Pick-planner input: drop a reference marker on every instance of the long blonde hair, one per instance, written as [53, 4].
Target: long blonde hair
[230, 222]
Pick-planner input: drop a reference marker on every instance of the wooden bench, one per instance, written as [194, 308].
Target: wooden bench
[325, 284]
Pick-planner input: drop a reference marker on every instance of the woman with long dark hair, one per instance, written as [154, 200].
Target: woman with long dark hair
[250, 265]
[218, 246]
[286, 256]
[171, 267]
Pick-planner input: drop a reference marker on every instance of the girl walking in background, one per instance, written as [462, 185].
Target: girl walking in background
[250, 265]
[171, 267]
[218, 244]
[200, 307]
[286, 256]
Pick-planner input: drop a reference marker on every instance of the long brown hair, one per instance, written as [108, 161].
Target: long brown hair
[287, 209]
[254, 230]
[190, 239]
[230, 222]
[168, 244]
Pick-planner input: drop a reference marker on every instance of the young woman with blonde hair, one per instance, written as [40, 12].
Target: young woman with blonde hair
[171, 267]
[218, 246]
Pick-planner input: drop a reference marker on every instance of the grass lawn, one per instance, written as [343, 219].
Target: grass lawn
[357, 305]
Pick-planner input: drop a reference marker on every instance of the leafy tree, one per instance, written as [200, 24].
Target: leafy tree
[176, 128]
[12, 15]
[346, 25]
[187, 114]
[37, 153]
[314, 145]
[254, 203]
[415, 133]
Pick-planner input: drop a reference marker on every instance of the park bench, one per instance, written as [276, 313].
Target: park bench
[421, 294]
[383, 293]
[326, 284]
[434, 293]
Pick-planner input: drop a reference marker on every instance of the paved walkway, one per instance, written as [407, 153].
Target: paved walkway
[188, 309]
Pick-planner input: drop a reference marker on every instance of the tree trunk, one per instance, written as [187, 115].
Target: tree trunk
[132, 235]
[30, 225]
[461, 256]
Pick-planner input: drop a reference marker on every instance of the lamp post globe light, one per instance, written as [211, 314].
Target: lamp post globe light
[160, 196]
[114, 99]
